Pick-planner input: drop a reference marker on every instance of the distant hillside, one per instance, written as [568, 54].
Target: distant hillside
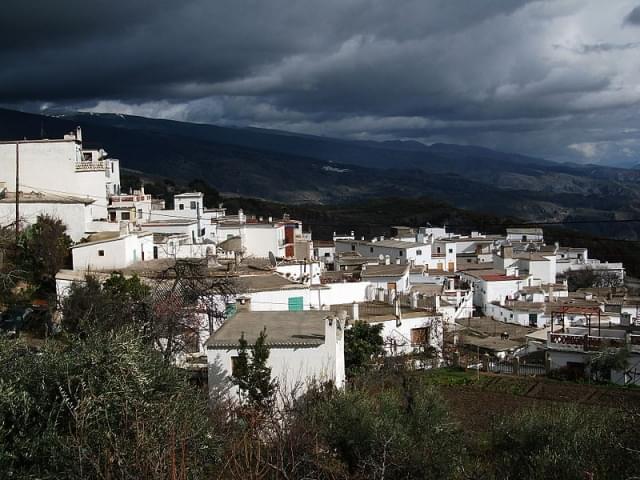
[298, 168]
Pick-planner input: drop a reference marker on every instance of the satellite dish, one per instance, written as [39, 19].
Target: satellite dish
[272, 259]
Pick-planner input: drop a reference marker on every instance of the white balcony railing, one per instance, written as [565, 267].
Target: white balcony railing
[91, 166]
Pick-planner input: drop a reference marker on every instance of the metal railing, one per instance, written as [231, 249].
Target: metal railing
[565, 341]
[91, 166]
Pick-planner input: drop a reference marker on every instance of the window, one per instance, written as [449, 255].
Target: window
[140, 213]
[420, 336]
[371, 249]
[202, 232]
[533, 319]
[181, 206]
[524, 238]
[234, 365]
[353, 247]
[296, 304]
[418, 252]
[125, 215]
[101, 253]
[438, 250]
[400, 254]
[451, 250]
[192, 205]
[327, 255]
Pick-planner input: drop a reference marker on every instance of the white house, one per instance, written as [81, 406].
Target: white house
[63, 167]
[168, 226]
[179, 245]
[492, 285]
[75, 213]
[135, 207]
[112, 250]
[387, 277]
[572, 347]
[324, 251]
[540, 265]
[304, 347]
[257, 238]
[397, 251]
[525, 235]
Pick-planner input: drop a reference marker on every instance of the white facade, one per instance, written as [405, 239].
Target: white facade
[61, 167]
[294, 367]
[114, 253]
[186, 228]
[324, 252]
[258, 239]
[75, 214]
[396, 250]
[307, 273]
[319, 297]
[409, 334]
[399, 283]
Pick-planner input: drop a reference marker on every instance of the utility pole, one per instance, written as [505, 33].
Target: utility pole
[17, 191]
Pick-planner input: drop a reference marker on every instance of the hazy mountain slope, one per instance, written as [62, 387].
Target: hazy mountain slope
[263, 163]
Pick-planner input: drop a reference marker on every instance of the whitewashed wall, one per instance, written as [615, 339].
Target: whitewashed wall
[76, 216]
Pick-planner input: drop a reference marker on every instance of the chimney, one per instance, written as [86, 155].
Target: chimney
[79, 134]
[381, 238]
[387, 260]
[414, 300]
[355, 312]
[452, 284]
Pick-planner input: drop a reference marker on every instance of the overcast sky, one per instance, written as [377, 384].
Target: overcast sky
[557, 79]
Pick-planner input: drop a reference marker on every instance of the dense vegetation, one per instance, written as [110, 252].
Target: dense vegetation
[101, 399]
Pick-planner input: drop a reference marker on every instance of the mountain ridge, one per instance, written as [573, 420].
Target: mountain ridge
[300, 168]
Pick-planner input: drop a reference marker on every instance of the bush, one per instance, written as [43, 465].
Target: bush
[565, 443]
[105, 407]
[397, 433]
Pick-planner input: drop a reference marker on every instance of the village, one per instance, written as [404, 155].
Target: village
[501, 303]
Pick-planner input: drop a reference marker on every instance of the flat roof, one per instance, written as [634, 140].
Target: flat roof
[384, 243]
[529, 231]
[531, 256]
[266, 282]
[189, 194]
[40, 197]
[178, 222]
[103, 237]
[284, 329]
[384, 270]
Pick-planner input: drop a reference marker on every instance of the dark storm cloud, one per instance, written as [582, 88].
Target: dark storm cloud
[501, 73]
[634, 17]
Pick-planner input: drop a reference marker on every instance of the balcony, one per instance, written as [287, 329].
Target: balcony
[91, 166]
[586, 343]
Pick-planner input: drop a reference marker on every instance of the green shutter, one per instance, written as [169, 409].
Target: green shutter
[230, 310]
[296, 304]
